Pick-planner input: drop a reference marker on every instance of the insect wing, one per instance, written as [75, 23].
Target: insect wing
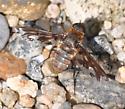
[88, 61]
[42, 34]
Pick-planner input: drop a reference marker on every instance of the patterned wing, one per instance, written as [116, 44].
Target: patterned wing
[42, 34]
[88, 61]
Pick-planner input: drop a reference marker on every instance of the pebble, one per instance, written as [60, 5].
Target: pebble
[8, 97]
[18, 106]
[86, 106]
[67, 25]
[52, 11]
[43, 99]
[23, 85]
[53, 93]
[26, 101]
[21, 46]
[10, 65]
[12, 20]
[77, 14]
[121, 56]
[57, 1]
[43, 23]
[34, 70]
[57, 29]
[4, 32]
[56, 106]
[70, 81]
[118, 31]
[107, 24]
[103, 42]
[26, 9]
[118, 45]
[107, 33]
[41, 106]
[49, 79]
[120, 75]
[65, 105]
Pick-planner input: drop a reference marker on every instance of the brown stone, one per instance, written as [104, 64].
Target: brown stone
[26, 101]
[24, 9]
[120, 75]
[10, 65]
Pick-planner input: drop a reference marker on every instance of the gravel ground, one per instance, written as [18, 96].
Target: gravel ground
[27, 81]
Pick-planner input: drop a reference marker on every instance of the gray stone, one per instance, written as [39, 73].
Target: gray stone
[66, 105]
[43, 23]
[107, 93]
[86, 106]
[4, 32]
[34, 70]
[56, 29]
[41, 106]
[103, 42]
[23, 46]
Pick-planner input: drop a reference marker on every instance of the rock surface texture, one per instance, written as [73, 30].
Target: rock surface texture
[24, 9]
[11, 66]
[27, 80]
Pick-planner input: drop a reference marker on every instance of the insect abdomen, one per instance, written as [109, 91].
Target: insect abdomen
[61, 57]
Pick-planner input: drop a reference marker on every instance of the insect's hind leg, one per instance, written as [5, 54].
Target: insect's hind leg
[76, 71]
[75, 74]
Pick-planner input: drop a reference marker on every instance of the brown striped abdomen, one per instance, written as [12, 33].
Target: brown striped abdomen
[62, 55]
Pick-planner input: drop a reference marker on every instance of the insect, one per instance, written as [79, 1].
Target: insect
[68, 49]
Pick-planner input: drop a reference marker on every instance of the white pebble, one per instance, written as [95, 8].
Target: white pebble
[118, 45]
[121, 56]
[41, 106]
[57, 1]
[52, 11]
[12, 20]
[107, 24]
[118, 31]
[120, 76]
[23, 86]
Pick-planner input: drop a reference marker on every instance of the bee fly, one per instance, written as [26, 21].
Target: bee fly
[67, 49]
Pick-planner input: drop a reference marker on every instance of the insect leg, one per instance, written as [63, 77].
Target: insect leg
[75, 73]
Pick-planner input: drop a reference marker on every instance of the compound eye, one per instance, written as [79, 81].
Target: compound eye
[79, 27]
